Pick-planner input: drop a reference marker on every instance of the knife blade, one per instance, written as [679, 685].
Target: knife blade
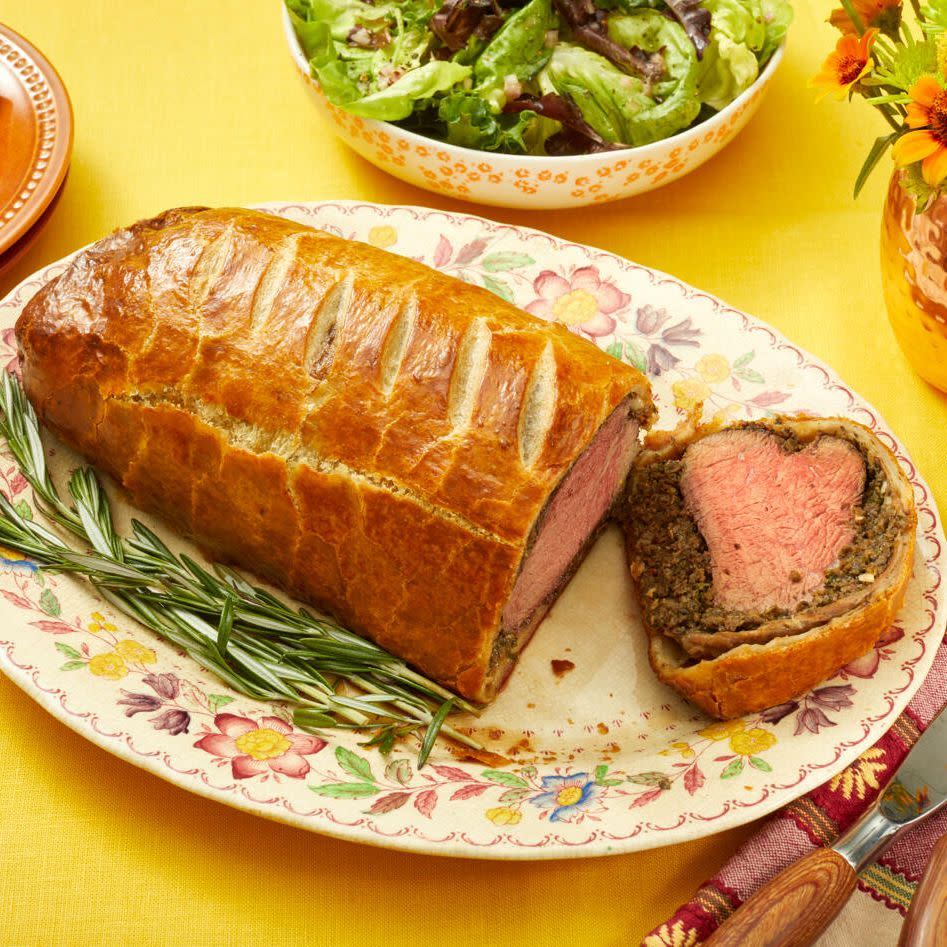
[795, 907]
[917, 790]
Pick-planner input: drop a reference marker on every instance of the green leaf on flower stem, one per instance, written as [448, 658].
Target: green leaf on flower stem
[345, 790]
[528, 772]
[67, 650]
[744, 359]
[73, 665]
[498, 288]
[758, 763]
[216, 701]
[733, 768]
[635, 356]
[935, 15]
[874, 156]
[498, 262]
[504, 779]
[750, 374]
[630, 353]
[514, 795]
[661, 780]
[913, 182]
[354, 764]
[600, 772]
[910, 63]
[23, 508]
[49, 603]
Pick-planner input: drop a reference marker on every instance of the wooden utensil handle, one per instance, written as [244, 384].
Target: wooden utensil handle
[794, 908]
[926, 923]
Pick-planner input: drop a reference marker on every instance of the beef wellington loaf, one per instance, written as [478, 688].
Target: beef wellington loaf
[766, 556]
[405, 451]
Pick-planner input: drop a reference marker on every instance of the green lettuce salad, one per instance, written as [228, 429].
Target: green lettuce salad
[538, 77]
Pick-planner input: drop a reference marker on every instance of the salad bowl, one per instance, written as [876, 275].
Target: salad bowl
[533, 182]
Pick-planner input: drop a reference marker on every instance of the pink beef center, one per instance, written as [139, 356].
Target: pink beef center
[575, 511]
[773, 521]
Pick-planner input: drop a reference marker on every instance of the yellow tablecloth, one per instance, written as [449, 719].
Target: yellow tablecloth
[196, 101]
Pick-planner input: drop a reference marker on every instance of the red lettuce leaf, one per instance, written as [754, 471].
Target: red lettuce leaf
[695, 19]
[577, 136]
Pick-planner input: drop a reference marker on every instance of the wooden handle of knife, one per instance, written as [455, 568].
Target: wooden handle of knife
[794, 908]
[926, 923]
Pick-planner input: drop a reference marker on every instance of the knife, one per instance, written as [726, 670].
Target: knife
[800, 902]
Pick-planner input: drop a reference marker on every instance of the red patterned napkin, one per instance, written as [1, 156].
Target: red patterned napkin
[876, 910]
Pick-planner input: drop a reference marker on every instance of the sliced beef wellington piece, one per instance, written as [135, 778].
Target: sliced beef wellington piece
[767, 555]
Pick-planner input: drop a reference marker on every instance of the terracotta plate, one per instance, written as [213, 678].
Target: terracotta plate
[603, 758]
[35, 135]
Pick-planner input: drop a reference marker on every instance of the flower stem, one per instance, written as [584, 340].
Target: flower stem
[853, 16]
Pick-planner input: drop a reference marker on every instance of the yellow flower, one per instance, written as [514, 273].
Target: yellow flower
[383, 236]
[568, 796]
[575, 307]
[263, 743]
[108, 665]
[844, 66]
[675, 936]
[723, 730]
[683, 748]
[134, 652]
[713, 368]
[504, 815]
[689, 392]
[751, 742]
[99, 623]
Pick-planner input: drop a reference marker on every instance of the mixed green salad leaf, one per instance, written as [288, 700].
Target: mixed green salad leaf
[539, 76]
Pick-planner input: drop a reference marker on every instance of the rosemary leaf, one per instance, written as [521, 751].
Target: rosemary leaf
[434, 727]
[225, 626]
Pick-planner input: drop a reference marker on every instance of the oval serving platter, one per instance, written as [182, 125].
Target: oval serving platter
[602, 758]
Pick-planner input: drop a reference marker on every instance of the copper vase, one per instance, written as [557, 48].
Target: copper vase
[914, 275]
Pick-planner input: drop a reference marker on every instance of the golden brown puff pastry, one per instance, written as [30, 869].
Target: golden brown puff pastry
[405, 451]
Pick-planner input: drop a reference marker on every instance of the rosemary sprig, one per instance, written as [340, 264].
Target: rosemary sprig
[250, 639]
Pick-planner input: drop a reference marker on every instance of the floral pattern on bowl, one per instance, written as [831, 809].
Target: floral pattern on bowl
[602, 759]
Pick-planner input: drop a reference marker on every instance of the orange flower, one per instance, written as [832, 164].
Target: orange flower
[845, 66]
[927, 115]
[885, 14]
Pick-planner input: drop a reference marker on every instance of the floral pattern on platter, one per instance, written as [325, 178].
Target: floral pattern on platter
[254, 749]
[581, 300]
[140, 698]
